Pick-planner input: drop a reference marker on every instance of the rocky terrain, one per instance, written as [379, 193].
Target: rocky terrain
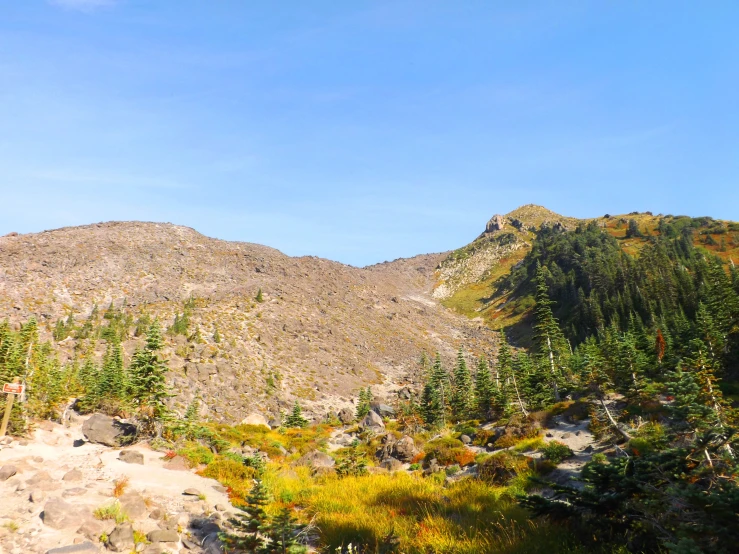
[56, 486]
[322, 330]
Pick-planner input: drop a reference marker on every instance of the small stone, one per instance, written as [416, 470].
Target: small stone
[131, 457]
[346, 416]
[38, 459]
[192, 492]
[221, 508]
[37, 496]
[549, 435]
[391, 464]
[7, 471]
[465, 439]
[577, 433]
[566, 435]
[163, 535]
[73, 475]
[157, 513]
[189, 544]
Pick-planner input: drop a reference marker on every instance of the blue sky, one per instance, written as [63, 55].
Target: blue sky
[363, 131]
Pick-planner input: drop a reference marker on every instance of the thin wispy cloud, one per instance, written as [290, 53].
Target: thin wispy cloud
[83, 5]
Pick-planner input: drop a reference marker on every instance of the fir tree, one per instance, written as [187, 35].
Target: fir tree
[364, 402]
[259, 297]
[281, 532]
[296, 419]
[484, 390]
[550, 340]
[253, 522]
[147, 381]
[461, 398]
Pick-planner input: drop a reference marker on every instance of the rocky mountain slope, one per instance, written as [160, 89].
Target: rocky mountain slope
[322, 330]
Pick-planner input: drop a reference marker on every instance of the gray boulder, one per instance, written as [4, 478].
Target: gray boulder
[405, 393]
[346, 416]
[105, 430]
[465, 439]
[82, 548]
[391, 464]
[372, 422]
[7, 471]
[59, 514]
[383, 410]
[163, 535]
[134, 505]
[405, 449]
[316, 459]
[131, 457]
[121, 539]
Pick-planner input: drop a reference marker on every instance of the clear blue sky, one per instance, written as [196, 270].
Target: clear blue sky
[363, 131]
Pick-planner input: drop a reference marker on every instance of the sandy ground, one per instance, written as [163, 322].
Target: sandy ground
[52, 450]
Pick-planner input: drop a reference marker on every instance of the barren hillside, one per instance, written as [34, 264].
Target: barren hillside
[322, 331]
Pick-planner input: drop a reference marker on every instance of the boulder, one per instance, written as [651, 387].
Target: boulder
[346, 416]
[75, 491]
[255, 418]
[192, 492]
[37, 496]
[93, 528]
[121, 539]
[59, 514]
[372, 422]
[81, 548]
[134, 505]
[405, 393]
[405, 449]
[163, 535]
[465, 439]
[383, 410]
[131, 457]
[7, 471]
[105, 430]
[73, 475]
[316, 459]
[178, 463]
[391, 464]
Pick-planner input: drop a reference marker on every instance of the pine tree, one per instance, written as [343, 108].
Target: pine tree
[461, 397]
[252, 522]
[296, 419]
[434, 397]
[364, 402]
[147, 382]
[549, 338]
[281, 532]
[484, 390]
[259, 297]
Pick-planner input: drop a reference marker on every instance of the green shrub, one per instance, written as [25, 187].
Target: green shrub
[446, 450]
[197, 454]
[556, 452]
[500, 468]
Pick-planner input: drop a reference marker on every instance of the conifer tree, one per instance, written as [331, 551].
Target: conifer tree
[281, 532]
[147, 381]
[549, 338]
[364, 402]
[252, 522]
[259, 297]
[461, 398]
[296, 419]
[484, 390]
[434, 397]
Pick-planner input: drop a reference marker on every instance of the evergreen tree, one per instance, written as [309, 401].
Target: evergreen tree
[364, 402]
[147, 382]
[296, 419]
[281, 532]
[484, 390]
[253, 522]
[259, 297]
[434, 397]
[551, 343]
[462, 397]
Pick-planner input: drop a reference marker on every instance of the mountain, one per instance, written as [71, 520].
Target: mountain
[322, 330]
